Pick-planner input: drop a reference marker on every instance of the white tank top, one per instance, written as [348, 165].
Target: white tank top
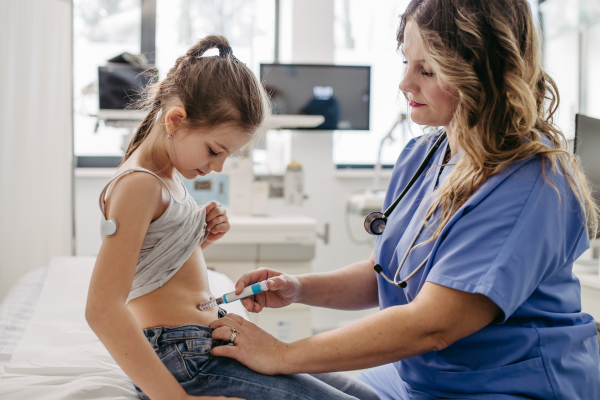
[169, 241]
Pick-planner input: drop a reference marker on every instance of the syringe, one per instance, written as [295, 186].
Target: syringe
[231, 296]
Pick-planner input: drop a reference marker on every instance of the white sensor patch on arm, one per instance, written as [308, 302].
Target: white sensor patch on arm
[109, 227]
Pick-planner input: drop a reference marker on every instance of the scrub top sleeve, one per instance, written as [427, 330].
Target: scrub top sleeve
[509, 241]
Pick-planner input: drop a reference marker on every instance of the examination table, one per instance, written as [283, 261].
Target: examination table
[47, 349]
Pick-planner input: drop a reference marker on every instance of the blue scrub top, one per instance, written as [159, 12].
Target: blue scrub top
[513, 241]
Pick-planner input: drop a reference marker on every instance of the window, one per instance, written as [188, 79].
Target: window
[571, 33]
[249, 25]
[106, 28]
[102, 29]
[365, 34]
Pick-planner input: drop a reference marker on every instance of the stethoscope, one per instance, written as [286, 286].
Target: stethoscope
[375, 222]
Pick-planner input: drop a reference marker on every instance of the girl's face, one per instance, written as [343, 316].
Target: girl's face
[198, 152]
[430, 103]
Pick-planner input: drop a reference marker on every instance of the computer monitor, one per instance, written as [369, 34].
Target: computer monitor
[587, 147]
[340, 93]
[119, 85]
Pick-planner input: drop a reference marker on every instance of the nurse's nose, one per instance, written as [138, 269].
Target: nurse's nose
[407, 84]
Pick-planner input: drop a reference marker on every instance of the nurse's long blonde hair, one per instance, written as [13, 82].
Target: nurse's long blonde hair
[487, 52]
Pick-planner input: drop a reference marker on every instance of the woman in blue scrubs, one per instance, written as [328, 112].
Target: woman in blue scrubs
[495, 310]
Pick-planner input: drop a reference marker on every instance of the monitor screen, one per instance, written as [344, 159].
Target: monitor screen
[340, 93]
[587, 147]
[119, 85]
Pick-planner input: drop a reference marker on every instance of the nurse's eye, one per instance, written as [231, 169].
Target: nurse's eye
[212, 152]
[427, 73]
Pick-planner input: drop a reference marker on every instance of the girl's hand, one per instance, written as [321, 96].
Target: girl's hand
[216, 221]
[252, 346]
[283, 289]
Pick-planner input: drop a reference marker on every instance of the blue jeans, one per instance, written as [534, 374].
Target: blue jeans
[185, 350]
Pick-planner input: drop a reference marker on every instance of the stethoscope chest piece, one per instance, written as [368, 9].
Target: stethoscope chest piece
[375, 223]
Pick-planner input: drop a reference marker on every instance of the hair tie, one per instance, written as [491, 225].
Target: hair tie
[224, 51]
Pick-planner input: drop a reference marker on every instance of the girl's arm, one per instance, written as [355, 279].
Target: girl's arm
[134, 203]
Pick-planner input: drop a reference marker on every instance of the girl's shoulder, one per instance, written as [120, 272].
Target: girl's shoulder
[130, 188]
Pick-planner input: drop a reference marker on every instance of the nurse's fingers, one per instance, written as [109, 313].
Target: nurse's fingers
[252, 305]
[237, 318]
[223, 333]
[225, 322]
[252, 277]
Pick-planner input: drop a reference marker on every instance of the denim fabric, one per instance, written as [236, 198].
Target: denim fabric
[185, 350]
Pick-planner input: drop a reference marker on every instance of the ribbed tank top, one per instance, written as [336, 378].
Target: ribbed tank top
[169, 241]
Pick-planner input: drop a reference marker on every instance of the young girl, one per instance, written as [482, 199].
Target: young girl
[150, 274]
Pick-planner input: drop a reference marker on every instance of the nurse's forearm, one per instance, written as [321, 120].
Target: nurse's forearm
[353, 287]
[370, 342]
[436, 318]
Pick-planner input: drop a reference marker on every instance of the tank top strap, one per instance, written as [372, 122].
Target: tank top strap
[125, 172]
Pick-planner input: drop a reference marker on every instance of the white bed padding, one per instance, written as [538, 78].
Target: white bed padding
[53, 352]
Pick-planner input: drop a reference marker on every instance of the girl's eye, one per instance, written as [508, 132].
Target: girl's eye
[405, 62]
[212, 152]
[429, 74]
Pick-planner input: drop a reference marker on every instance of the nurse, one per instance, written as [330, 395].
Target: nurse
[496, 220]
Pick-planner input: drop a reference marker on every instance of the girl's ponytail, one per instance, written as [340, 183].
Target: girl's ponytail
[143, 130]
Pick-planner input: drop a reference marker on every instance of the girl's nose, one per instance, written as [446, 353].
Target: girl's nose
[217, 165]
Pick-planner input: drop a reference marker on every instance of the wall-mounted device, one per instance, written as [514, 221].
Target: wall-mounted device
[339, 93]
[205, 189]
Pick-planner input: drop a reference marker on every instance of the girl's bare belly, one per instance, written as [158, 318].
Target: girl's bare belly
[175, 303]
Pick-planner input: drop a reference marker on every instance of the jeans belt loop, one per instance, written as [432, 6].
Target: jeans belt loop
[154, 339]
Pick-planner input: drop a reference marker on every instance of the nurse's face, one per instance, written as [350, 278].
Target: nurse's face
[431, 104]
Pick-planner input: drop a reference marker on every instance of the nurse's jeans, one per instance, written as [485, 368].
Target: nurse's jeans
[185, 350]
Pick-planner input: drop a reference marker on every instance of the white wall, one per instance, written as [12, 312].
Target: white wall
[35, 135]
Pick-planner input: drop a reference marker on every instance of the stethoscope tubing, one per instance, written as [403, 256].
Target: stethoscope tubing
[371, 218]
[416, 175]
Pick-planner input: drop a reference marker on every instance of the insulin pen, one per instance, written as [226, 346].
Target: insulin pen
[231, 296]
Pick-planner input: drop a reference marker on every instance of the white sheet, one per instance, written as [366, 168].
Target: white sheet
[15, 311]
[59, 357]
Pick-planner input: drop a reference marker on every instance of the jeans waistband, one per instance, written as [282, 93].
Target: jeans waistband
[161, 335]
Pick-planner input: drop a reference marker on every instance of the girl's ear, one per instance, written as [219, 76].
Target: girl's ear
[173, 118]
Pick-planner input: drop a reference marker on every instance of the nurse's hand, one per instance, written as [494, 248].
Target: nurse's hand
[252, 346]
[283, 289]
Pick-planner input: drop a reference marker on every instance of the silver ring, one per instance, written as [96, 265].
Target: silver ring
[233, 335]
